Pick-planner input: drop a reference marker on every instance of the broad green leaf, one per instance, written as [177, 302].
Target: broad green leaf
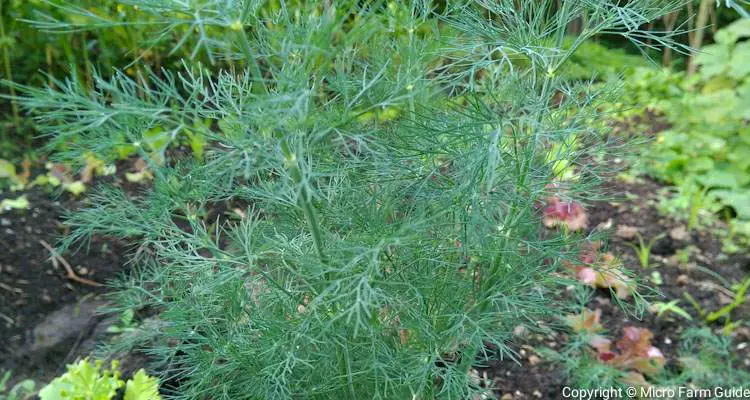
[84, 380]
[713, 60]
[738, 200]
[700, 164]
[719, 179]
[197, 143]
[733, 32]
[157, 139]
[125, 150]
[717, 107]
[142, 387]
[739, 66]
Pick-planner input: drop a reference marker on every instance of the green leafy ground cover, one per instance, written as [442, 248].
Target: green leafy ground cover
[705, 151]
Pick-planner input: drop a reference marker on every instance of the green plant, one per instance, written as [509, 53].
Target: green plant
[20, 391]
[86, 380]
[376, 256]
[697, 306]
[662, 309]
[740, 293]
[704, 151]
[707, 360]
[594, 60]
[5, 43]
[643, 249]
[590, 359]
[127, 323]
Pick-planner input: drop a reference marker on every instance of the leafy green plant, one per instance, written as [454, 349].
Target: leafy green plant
[707, 360]
[693, 302]
[672, 307]
[373, 257]
[22, 390]
[740, 293]
[704, 151]
[643, 249]
[594, 60]
[632, 358]
[86, 380]
[127, 323]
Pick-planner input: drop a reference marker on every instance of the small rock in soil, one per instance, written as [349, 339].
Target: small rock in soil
[626, 232]
[604, 225]
[679, 233]
[64, 324]
[4, 222]
[725, 300]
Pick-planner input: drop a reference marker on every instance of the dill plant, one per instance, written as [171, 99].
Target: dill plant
[365, 222]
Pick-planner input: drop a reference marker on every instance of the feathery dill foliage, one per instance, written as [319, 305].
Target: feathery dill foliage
[378, 254]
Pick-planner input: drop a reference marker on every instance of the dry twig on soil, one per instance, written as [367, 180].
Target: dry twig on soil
[70, 273]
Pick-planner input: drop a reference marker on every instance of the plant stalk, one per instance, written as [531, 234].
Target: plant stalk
[9, 75]
[305, 202]
[700, 29]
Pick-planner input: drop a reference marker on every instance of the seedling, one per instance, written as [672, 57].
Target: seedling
[643, 249]
[739, 298]
[697, 203]
[127, 323]
[20, 391]
[662, 309]
[683, 255]
[701, 312]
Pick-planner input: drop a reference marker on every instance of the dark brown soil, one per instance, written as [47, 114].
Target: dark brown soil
[33, 287]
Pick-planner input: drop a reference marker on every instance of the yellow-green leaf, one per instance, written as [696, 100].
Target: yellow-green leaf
[142, 387]
[20, 203]
[7, 170]
[76, 187]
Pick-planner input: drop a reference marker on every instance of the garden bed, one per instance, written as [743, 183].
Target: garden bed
[55, 319]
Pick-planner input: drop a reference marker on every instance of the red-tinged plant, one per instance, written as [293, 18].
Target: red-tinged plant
[587, 321]
[633, 352]
[602, 270]
[565, 213]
